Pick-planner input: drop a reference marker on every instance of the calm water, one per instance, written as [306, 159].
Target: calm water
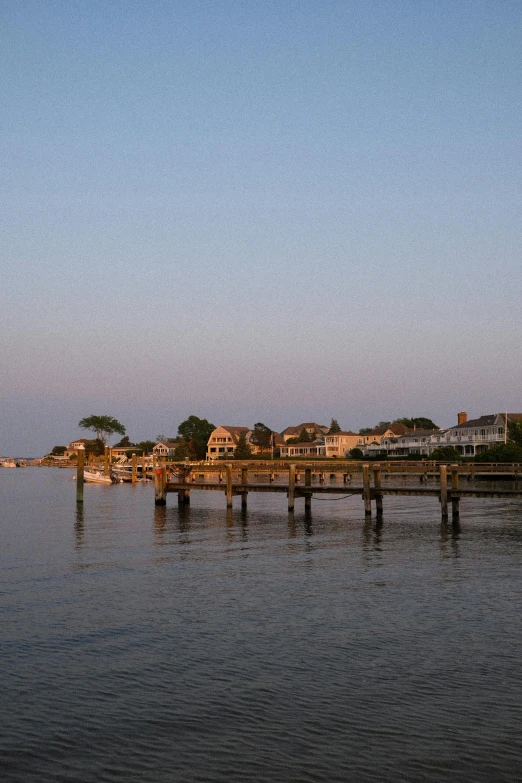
[143, 644]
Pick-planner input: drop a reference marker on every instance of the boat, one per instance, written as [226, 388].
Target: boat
[9, 463]
[96, 477]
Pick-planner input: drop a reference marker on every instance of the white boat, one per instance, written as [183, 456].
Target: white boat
[9, 463]
[96, 477]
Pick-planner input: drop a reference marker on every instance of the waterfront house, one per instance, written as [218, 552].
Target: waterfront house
[316, 430]
[223, 441]
[314, 449]
[72, 448]
[164, 449]
[474, 436]
[339, 444]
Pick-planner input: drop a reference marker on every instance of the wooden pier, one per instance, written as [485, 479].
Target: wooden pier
[183, 478]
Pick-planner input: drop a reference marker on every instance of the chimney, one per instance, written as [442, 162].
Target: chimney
[462, 417]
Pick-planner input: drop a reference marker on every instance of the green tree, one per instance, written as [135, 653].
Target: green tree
[421, 422]
[261, 436]
[515, 432]
[334, 427]
[94, 448]
[356, 454]
[365, 430]
[305, 437]
[446, 454]
[196, 431]
[103, 426]
[182, 450]
[243, 448]
[58, 451]
[123, 442]
[145, 446]
[504, 452]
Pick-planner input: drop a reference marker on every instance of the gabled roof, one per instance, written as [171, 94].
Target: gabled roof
[307, 425]
[487, 421]
[342, 432]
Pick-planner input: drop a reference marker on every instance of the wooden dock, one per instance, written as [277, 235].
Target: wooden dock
[183, 478]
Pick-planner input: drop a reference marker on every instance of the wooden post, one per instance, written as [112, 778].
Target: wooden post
[244, 480]
[107, 453]
[183, 494]
[228, 469]
[367, 492]
[291, 487]
[160, 486]
[444, 492]
[378, 484]
[134, 476]
[308, 483]
[80, 475]
[455, 501]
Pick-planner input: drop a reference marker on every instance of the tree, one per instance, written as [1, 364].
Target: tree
[182, 450]
[243, 448]
[334, 427]
[58, 451]
[515, 432]
[446, 454]
[103, 426]
[356, 454]
[146, 446]
[305, 436]
[261, 436]
[365, 430]
[95, 448]
[421, 422]
[504, 452]
[196, 431]
[123, 442]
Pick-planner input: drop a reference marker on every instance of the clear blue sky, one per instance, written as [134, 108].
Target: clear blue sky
[257, 211]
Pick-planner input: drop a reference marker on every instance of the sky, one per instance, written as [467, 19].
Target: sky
[275, 211]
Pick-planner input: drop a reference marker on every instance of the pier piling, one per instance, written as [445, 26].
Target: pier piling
[444, 492]
[308, 483]
[228, 469]
[160, 486]
[367, 493]
[80, 475]
[291, 487]
[455, 501]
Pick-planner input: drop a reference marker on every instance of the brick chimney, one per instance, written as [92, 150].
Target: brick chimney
[462, 417]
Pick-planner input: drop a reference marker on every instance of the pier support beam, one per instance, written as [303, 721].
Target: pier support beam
[455, 501]
[228, 469]
[183, 494]
[244, 495]
[308, 483]
[444, 492]
[367, 493]
[291, 487]
[378, 484]
[80, 475]
[106, 461]
[160, 486]
[134, 477]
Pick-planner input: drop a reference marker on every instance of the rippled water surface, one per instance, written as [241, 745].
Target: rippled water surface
[151, 644]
